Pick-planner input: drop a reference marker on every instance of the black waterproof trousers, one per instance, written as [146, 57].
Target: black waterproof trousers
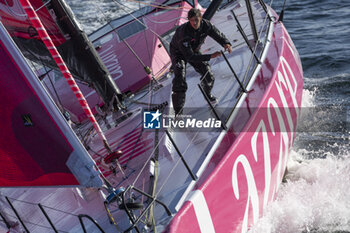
[179, 82]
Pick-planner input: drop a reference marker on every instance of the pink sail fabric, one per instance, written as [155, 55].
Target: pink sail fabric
[62, 66]
[16, 22]
[27, 133]
[37, 148]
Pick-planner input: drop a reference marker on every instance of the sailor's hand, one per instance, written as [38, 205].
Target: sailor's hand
[228, 48]
[216, 54]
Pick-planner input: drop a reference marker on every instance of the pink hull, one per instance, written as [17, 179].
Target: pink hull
[239, 170]
[243, 177]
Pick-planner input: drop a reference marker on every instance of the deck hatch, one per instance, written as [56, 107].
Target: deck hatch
[131, 29]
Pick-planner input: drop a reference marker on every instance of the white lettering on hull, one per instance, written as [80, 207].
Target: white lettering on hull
[253, 197]
[111, 62]
[267, 162]
[285, 84]
[284, 140]
[202, 212]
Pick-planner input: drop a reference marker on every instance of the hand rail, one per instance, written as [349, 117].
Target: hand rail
[81, 216]
[17, 215]
[252, 21]
[262, 3]
[224, 127]
[181, 156]
[234, 73]
[240, 29]
[47, 217]
[5, 221]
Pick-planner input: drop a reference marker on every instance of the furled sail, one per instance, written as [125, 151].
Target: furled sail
[37, 146]
[73, 44]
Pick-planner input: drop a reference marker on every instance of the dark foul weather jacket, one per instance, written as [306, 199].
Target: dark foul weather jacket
[187, 41]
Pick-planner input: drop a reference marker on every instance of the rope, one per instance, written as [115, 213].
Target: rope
[168, 21]
[157, 145]
[122, 6]
[126, 43]
[179, 159]
[176, 164]
[33, 17]
[54, 89]
[24, 15]
[160, 6]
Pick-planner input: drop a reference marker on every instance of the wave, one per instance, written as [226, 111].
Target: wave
[314, 199]
[316, 196]
[332, 90]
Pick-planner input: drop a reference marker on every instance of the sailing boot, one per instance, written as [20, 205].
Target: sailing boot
[178, 99]
[207, 87]
[207, 80]
[213, 100]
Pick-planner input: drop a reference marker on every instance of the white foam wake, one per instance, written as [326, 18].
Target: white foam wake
[316, 197]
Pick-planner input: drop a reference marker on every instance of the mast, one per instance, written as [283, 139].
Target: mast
[81, 55]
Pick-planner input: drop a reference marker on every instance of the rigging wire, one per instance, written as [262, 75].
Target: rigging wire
[35, 204]
[161, 6]
[280, 18]
[157, 145]
[177, 162]
[126, 43]
[47, 73]
[164, 135]
[42, 63]
[179, 159]
[146, 68]
[167, 21]
[130, 48]
[122, 6]
[147, 47]
[255, 47]
[54, 89]
[24, 15]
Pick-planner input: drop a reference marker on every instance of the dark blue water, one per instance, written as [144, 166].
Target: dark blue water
[316, 197]
[321, 33]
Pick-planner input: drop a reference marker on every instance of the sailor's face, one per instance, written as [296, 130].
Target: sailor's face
[195, 22]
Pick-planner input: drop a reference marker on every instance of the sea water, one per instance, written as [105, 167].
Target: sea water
[316, 196]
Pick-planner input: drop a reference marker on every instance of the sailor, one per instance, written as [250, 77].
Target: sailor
[185, 47]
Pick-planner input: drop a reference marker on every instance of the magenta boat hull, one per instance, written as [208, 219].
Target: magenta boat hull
[236, 187]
